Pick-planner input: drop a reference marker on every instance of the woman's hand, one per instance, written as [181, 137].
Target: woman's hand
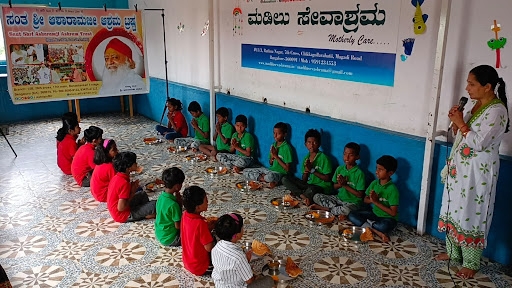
[456, 116]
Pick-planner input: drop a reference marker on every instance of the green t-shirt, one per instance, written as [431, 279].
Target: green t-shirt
[227, 130]
[388, 196]
[204, 124]
[284, 151]
[322, 164]
[168, 211]
[355, 179]
[246, 141]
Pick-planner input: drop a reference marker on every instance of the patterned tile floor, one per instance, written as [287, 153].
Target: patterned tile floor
[55, 235]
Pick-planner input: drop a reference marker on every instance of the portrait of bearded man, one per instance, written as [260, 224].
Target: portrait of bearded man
[119, 72]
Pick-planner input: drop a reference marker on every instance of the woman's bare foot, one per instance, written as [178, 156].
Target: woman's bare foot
[442, 257]
[466, 273]
[237, 170]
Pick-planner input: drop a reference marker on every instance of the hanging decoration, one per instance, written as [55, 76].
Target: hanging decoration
[419, 19]
[205, 27]
[408, 44]
[497, 43]
[237, 21]
[181, 27]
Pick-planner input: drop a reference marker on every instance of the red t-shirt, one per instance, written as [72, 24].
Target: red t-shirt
[100, 180]
[194, 235]
[119, 188]
[66, 150]
[181, 123]
[83, 162]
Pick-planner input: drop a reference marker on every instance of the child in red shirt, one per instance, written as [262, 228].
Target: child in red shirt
[66, 143]
[177, 126]
[124, 201]
[104, 171]
[196, 238]
[83, 164]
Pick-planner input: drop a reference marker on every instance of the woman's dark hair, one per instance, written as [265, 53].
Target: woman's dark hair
[228, 225]
[242, 119]
[486, 74]
[194, 107]
[101, 153]
[176, 103]
[388, 162]
[193, 196]
[67, 124]
[315, 134]
[124, 160]
[222, 111]
[92, 133]
[172, 176]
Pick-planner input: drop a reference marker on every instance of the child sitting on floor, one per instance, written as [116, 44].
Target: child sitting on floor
[383, 195]
[230, 264]
[83, 162]
[177, 125]
[196, 238]
[223, 132]
[67, 143]
[168, 208]
[349, 181]
[243, 143]
[201, 125]
[125, 202]
[316, 171]
[104, 171]
[280, 158]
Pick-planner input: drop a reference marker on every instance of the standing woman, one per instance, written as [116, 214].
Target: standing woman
[473, 167]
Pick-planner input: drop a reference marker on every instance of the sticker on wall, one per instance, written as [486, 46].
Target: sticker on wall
[237, 21]
[181, 27]
[408, 44]
[205, 27]
[497, 43]
[419, 19]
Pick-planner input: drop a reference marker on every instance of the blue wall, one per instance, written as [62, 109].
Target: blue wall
[335, 134]
[14, 113]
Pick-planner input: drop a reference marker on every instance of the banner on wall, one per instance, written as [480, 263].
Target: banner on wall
[344, 40]
[70, 53]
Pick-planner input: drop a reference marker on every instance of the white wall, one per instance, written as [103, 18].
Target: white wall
[402, 108]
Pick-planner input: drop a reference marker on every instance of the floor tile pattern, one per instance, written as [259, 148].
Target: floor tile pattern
[54, 234]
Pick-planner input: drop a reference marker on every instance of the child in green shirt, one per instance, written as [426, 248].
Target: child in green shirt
[201, 125]
[316, 171]
[223, 132]
[280, 158]
[348, 181]
[168, 208]
[384, 197]
[242, 142]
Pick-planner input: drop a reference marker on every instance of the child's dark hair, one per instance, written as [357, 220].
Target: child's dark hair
[228, 225]
[315, 134]
[67, 124]
[102, 151]
[176, 103]
[93, 133]
[354, 146]
[124, 160]
[194, 107]
[172, 176]
[388, 162]
[193, 196]
[222, 111]
[242, 119]
[282, 126]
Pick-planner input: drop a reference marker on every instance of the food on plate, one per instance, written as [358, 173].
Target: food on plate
[150, 139]
[171, 149]
[159, 181]
[150, 186]
[259, 248]
[201, 157]
[289, 201]
[254, 185]
[287, 198]
[367, 235]
[292, 269]
[275, 203]
[210, 170]
[223, 171]
[240, 185]
[273, 264]
[347, 233]
[315, 215]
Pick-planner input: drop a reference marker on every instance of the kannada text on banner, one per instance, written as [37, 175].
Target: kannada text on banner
[345, 40]
[56, 54]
